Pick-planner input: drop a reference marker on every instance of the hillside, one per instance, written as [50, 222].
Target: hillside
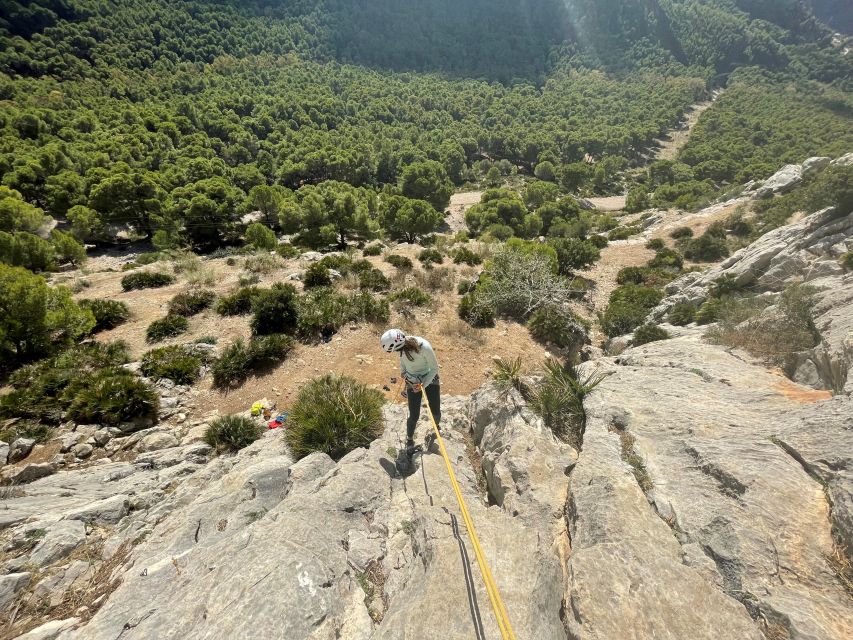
[624, 227]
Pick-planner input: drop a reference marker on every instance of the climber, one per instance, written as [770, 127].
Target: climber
[419, 368]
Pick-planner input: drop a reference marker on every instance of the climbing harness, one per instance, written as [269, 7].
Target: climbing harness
[491, 587]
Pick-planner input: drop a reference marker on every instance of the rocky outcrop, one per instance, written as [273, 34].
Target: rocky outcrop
[806, 252]
[701, 483]
[783, 180]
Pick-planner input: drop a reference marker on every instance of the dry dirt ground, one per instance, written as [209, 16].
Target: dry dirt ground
[465, 354]
[459, 204]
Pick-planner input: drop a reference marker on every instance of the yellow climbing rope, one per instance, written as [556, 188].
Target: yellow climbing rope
[491, 588]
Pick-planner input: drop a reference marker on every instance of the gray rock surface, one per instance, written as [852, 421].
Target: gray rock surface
[4, 452]
[815, 164]
[61, 539]
[783, 180]
[20, 449]
[10, 585]
[50, 630]
[728, 470]
[28, 472]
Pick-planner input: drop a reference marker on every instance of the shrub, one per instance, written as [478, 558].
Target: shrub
[177, 363]
[238, 303]
[232, 433]
[649, 333]
[620, 318]
[400, 262]
[681, 233]
[430, 256]
[317, 275]
[655, 244]
[631, 275]
[167, 327]
[372, 250]
[108, 313]
[192, 302]
[112, 396]
[710, 311]
[464, 255]
[373, 280]
[709, 247]
[287, 251]
[248, 279]
[598, 240]
[723, 286]
[260, 237]
[465, 286]
[262, 263]
[334, 414]
[645, 297]
[666, 258]
[340, 263]
[205, 340]
[146, 280]
[239, 361]
[558, 326]
[623, 233]
[682, 314]
[369, 308]
[475, 313]
[413, 295]
[321, 311]
[360, 266]
[847, 261]
[573, 253]
[274, 310]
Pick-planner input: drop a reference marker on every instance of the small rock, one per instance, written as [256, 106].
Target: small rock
[11, 585]
[157, 441]
[29, 473]
[50, 630]
[102, 437]
[82, 450]
[4, 452]
[109, 510]
[20, 449]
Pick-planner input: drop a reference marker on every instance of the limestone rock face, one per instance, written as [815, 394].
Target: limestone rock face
[689, 449]
[805, 252]
[783, 180]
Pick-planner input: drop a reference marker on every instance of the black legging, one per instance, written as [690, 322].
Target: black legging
[433, 393]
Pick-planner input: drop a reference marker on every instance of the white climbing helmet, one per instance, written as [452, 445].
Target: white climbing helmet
[392, 340]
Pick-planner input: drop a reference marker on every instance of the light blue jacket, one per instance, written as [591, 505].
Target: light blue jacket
[423, 367]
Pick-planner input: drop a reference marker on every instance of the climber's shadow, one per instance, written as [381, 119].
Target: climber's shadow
[400, 468]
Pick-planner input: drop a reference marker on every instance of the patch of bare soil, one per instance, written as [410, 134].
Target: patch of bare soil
[465, 354]
[459, 204]
[608, 203]
[798, 393]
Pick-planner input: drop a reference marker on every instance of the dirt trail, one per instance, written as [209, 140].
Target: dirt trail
[675, 140]
[459, 204]
[668, 148]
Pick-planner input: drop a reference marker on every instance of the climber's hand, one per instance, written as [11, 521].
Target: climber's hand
[417, 388]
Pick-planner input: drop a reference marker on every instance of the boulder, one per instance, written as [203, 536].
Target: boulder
[4, 452]
[844, 161]
[157, 441]
[107, 511]
[82, 450]
[60, 539]
[783, 180]
[20, 449]
[28, 473]
[102, 437]
[813, 165]
[11, 585]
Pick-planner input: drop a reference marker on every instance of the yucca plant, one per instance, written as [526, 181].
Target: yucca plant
[507, 374]
[558, 400]
[176, 363]
[232, 433]
[334, 414]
